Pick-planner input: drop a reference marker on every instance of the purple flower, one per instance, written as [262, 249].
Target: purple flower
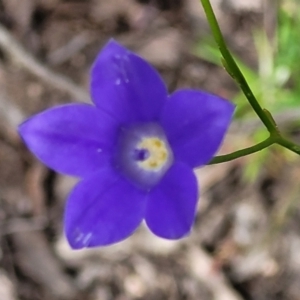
[135, 150]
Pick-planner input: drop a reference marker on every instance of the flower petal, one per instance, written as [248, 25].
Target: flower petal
[103, 209]
[74, 139]
[195, 123]
[172, 203]
[126, 86]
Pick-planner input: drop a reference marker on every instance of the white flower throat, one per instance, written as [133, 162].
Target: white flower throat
[143, 154]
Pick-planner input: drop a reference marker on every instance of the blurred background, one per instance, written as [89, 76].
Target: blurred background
[245, 244]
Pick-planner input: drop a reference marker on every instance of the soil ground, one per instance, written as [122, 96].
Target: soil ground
[245, 244]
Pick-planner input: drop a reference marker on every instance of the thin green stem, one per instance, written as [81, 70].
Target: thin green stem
[264, 115]
[243, 152]
[272, 139]
[288, 144]
[234, 69]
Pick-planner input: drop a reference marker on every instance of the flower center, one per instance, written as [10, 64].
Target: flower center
[154, 153]
[143, 154]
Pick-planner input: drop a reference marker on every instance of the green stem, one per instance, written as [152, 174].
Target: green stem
[234, 69]
[288, 144]
[264, 115]
[272, 139]
[243, 152]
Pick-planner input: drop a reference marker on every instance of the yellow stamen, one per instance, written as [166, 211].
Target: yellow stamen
[158, 153]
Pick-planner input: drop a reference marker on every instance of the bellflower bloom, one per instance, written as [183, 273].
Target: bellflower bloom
[135, 150]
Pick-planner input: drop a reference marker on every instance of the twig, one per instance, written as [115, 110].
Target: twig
[7, 288]
[19, 225]
[71, 48]
[202, 267]
[10, 112]
[36, 259]
[20, 56]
